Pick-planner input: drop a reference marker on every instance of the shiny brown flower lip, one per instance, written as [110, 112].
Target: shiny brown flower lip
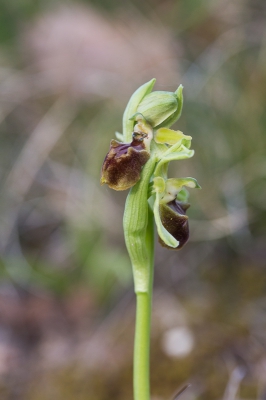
[175, 222]
[123, 163]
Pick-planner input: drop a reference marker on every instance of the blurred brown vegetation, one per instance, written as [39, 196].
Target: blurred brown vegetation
[67, 70]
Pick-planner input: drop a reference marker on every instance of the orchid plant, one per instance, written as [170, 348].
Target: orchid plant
[139, 160]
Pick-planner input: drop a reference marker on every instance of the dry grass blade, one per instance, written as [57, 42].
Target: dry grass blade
[36, 150]
[181, 391]
[233, 384]
[47, 133]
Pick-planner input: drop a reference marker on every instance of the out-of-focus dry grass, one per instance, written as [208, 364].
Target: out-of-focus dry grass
[66, 297]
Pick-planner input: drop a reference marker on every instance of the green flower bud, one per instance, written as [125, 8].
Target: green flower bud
[122, 165]
[161, 109]
[156, 107]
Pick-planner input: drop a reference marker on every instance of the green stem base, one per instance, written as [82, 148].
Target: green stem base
[142, 348]
[143, 323]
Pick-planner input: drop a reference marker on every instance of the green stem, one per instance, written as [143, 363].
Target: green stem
[135, 228]
[139, 237]
[142, 348]
[143, 322]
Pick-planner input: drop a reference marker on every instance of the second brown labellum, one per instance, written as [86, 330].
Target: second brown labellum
[174, 219]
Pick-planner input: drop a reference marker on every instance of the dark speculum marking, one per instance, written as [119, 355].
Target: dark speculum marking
[139, 136]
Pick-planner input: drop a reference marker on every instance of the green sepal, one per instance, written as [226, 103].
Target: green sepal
[132, 106]
[158, 185]
[166, 237]
[157, 107]
[137, 116]
[174, 117]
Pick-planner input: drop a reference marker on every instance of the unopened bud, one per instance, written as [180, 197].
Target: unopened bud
[161, 109]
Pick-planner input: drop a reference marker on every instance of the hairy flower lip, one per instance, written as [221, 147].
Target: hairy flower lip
[175, 221]
[123, 163]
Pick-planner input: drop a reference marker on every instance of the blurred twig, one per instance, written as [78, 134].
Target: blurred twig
[233, 384]
[42, 140]
[47, 133]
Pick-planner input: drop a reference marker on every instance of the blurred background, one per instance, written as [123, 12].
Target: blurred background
[67, 69]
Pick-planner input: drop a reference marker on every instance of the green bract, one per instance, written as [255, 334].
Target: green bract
[140, 161]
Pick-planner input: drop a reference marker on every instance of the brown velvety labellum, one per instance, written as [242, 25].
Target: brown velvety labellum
[175, 222]
[122, 165]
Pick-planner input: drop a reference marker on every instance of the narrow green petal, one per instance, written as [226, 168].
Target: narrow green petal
[182, 145]
[169, 136]
[181, 155]
[179, 182]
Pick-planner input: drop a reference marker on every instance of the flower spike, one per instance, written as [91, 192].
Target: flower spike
[139, 160]
[147, 136]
